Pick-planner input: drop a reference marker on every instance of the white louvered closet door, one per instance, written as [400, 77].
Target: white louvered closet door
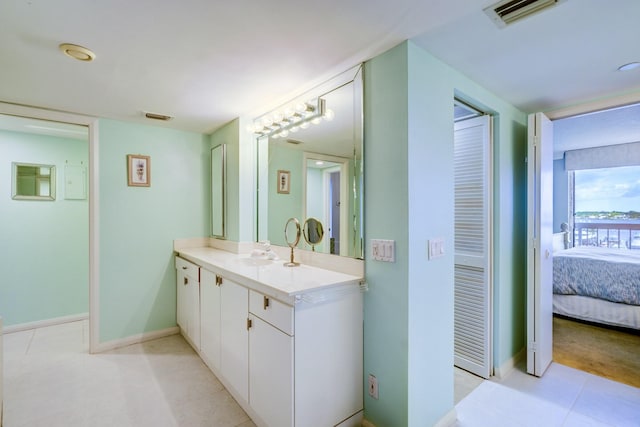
[472, 246]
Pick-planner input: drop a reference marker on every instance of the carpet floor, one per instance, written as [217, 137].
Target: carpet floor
[609, 353]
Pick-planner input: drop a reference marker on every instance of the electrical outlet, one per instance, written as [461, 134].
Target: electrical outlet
[373, 386]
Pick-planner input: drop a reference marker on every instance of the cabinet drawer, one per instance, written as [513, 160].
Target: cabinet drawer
[188, 268]
[271, 311]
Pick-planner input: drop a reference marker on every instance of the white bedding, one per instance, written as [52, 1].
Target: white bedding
[599, 253]
[597, 310]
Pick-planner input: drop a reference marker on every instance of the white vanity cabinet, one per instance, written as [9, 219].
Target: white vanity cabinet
[234, 343]
[210, 318]
[291, 358]
[224, 330]
[271, 360]
[188, 300]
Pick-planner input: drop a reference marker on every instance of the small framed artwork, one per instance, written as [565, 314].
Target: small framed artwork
[283, 182]
[138, 170]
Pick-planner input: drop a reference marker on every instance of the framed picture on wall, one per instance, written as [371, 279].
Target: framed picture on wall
[138, 170]
[283, 182]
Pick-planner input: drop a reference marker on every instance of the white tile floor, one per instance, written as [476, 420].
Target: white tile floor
[563, 397]
[51, 380]
[464, 384]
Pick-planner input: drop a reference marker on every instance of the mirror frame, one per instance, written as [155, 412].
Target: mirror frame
[52, 182]
[219, 191]
[354, 76]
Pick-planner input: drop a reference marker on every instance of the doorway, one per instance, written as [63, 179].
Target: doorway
[50, 121]
[472, 240]
[584, 138]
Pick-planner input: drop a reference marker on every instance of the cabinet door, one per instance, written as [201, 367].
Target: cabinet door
[210, 319]
[192, 308]
[234, 344]
[181, 296]
[271, 373]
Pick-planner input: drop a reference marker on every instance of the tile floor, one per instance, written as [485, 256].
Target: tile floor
[464, 384]
[51, 380]
[563, 397]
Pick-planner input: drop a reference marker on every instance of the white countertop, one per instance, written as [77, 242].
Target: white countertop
[289, 284]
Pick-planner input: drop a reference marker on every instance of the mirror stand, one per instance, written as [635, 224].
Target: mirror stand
[291, 262]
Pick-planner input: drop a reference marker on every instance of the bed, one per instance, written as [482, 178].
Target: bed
[597, 284]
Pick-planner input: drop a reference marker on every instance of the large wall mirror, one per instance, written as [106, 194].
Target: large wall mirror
[33, 181]
[314, 169]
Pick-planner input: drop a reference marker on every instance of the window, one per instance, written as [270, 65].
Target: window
[607, 207]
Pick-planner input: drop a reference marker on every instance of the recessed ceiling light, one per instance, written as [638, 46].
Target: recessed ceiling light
[629, 66]
[77, 52]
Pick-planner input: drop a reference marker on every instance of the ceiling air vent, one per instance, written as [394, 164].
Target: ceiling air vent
[507, 12]
[156, 116]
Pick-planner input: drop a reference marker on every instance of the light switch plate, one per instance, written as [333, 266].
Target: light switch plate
[435, 248]
[383, 250]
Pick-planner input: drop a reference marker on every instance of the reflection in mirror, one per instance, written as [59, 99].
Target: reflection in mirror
[292, 237]
[33, 181]
[327, 197]
[331, 192]
[218, 191]
[313, 232]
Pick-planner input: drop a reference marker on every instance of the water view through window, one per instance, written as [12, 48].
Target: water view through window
[607, 207]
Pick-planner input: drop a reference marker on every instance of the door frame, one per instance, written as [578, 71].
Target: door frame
[584, 108]
[92, 126]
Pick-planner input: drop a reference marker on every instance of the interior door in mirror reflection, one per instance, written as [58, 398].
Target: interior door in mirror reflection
[327, 198]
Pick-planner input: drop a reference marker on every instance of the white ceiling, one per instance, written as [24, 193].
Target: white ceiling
[206, 62]
[610, 127]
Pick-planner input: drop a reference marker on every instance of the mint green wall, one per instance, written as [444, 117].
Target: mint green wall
[137, 225]
[315, 207]
[228, 135]
[241, 180]
[315, 185]
[386, 205]
[284, 206]
[409, 307]
[44, 254]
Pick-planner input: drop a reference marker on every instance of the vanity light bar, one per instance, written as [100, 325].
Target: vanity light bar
[279, 124]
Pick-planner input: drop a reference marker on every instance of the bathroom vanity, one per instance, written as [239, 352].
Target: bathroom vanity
[285, 341]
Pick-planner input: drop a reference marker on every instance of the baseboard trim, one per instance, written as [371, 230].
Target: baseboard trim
[449, 419]
[505, 369]
[367, 423]
[44, 323]
[136, 339]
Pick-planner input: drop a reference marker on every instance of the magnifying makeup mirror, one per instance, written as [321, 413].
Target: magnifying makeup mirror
[313, 232]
